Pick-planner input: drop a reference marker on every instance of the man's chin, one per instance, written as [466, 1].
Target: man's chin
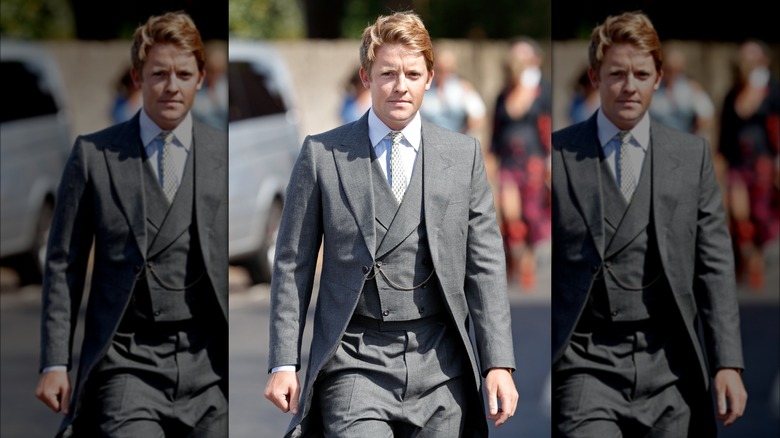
[169, 120]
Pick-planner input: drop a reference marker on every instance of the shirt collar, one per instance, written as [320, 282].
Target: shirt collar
[607, 130]
[377, 130]
[150, 130]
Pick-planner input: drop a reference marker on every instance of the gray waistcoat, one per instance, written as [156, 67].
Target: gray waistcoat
[405, 265]
[631, 274]
[170, 288]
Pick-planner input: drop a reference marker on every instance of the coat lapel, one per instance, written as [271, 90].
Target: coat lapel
[178, 216]
[124, 158]
[353, 163]
[637, 214]
[581, 160]
[407, 217]
[210, 166]
[437, 174]
[666, 162]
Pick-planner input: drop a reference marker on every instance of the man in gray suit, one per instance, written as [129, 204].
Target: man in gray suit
[641, 257]
[412, 257]
[151, 193]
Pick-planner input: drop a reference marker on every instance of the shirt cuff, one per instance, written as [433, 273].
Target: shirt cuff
[55, 368]
[283, 368]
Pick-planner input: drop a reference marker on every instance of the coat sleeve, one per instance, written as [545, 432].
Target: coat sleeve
[297, 248]
[70, 242]
[485, 282]
[714, 281]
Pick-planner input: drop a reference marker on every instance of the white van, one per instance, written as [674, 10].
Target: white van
[34, 145]
[263, 146]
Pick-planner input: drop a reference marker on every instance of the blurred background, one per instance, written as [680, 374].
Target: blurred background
[291, 68]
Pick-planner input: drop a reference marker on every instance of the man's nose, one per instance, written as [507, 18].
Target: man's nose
[400, 84]
[630, 85]
[172, 84]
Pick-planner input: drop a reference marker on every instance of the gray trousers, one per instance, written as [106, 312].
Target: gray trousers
[622, 381]
[396, 383]
[160, 380]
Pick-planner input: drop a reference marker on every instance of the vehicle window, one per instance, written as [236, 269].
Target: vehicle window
[252, 92]
[28, 92]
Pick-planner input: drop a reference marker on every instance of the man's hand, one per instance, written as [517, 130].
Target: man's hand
[54, 390]
[731, 395]
[284, 390]
[500, 385]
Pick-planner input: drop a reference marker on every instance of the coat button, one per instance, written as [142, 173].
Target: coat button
[379, 264]
[422, 310]
[156, 313]
[615, 313]
[385, 313]
[366, 269]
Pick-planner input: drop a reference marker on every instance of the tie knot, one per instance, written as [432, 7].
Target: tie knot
[624, 136]
[166, 136]
[396, 136]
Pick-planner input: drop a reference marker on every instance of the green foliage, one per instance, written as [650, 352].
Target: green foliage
[266, 19]
[491, 19]
[36, 19]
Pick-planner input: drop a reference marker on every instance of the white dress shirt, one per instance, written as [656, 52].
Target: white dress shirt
[610, 144]
[153, 144]
[412, 136]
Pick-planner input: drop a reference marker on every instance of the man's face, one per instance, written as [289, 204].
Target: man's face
[626, 81]
[168, 81]
[398, 80]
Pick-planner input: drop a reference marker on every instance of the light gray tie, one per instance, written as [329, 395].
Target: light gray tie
[397, 175]
[627, 176]
[168, 177]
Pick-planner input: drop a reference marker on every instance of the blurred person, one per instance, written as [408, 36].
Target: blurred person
[357, 99]
[521, 145]
[750, 143]
[680, 102]
[585, 101]
[211, 100]
[151, 194]
[452, 102]
[127, 98]
[411, 248]
[641, 258]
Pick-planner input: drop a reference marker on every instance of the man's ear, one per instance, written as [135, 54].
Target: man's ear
[430, 79]
[135, 75]
[594, 77]
[658, 80]
[365, 78]
[202, 78]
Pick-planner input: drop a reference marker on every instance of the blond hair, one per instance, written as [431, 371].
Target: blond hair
[632, 28]
[175, 28]
[404, 28]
